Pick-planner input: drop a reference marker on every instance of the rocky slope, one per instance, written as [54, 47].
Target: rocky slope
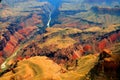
[79, 35]
[84, 13]
[105, 66]
[17, 29]
[62, 45]
[34, 68]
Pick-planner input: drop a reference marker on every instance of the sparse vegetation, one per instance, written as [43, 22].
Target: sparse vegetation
[82, 42]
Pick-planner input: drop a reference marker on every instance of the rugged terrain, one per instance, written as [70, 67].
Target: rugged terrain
[78, 40]
[17, 29]
[36, 69]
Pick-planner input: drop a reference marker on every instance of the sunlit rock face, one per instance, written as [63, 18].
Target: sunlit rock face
[11, 39]
[18, 25]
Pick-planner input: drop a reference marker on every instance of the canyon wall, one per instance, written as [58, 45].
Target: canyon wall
[18, 30]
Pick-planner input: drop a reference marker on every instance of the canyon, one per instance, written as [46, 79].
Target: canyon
[17, 32]
[64, 36]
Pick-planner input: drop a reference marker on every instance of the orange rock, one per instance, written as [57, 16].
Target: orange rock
[9, 48]
[36, 19]
[19, 36]
[29, 22]
[19, 58]
[103, 44]
[113, 37]
[81, 52]
[13, 40]
[26, 31]
[87, 47]
[27, 57]
[71, 24]
[74, 56]
[107, 51]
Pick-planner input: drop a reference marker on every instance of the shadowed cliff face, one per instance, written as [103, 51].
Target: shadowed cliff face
[106, 2]
[55, 3]
[53, 12]
[111, 11]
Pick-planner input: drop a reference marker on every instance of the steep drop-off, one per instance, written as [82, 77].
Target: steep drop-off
[18, 29]
[83, 42]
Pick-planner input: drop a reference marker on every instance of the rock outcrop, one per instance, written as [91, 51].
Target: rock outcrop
[108, 66]
[36, 68]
